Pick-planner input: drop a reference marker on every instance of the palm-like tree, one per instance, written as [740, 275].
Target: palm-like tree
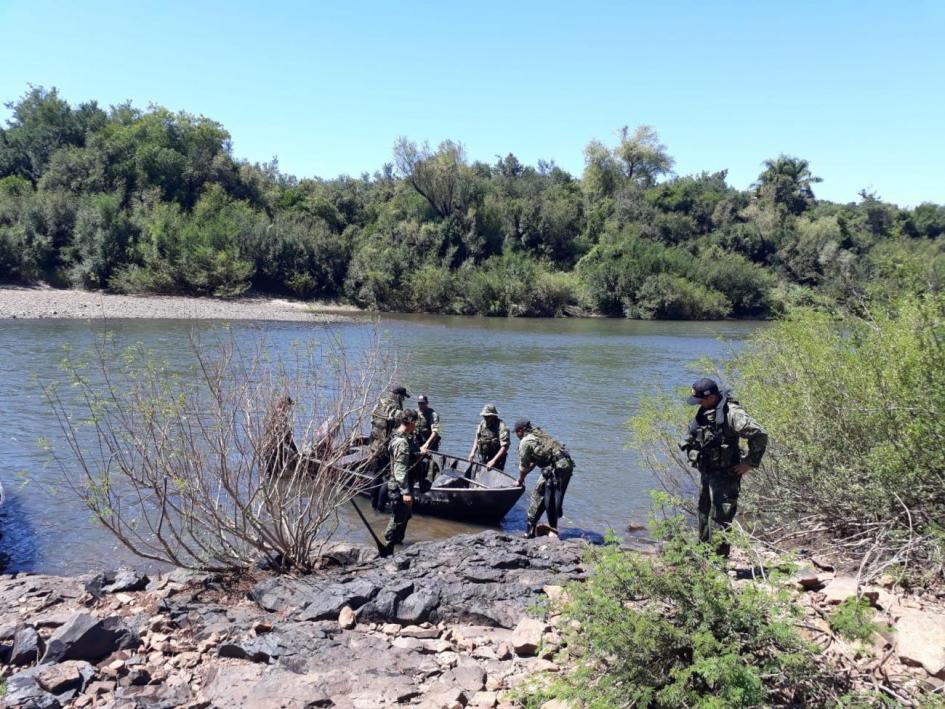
[787, 181]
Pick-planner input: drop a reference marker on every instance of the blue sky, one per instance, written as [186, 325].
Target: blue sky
[856, 88]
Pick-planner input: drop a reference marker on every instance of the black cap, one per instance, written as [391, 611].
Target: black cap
[422, 399]
[522, 424]
[702, 388]
[400, 391]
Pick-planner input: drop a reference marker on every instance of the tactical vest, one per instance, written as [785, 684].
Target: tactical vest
[547, 451]
[488, 442]
[713, 443]
[424, 425]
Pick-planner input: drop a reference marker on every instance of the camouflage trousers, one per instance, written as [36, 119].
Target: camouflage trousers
[548, 496]
[397, 527]
[718, 501]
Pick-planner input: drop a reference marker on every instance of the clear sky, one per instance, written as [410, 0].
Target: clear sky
[856, 87]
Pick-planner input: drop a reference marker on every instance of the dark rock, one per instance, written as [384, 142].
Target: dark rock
[382, 608]
[153, 696]
[85, 637]
[24, 691]
[27, 647]
[138, 677]
[326, 603]
[418, 606]
[126, 579]
[264, 648]
[479, 575]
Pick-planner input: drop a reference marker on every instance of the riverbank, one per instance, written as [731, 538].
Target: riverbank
[462, 622]
[22, 302]
[442, 624]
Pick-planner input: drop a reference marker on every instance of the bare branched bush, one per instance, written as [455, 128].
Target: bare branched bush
[231, 460]
[856, 462]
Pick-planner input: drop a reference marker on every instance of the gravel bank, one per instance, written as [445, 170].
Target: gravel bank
[40, 302]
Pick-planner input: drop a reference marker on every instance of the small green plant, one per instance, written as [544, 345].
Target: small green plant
[673, 631]
[853, 620]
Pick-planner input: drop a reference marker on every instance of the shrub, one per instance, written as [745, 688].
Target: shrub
[673, 631]
[668, 297]
[853, 619]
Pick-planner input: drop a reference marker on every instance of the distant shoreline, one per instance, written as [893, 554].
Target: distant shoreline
[43, 302]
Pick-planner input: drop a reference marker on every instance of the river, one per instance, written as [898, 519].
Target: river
[579, 379]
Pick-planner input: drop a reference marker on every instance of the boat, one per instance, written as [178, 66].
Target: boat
[453, 488]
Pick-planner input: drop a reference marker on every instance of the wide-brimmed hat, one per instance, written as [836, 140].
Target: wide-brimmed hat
[489, 410]
[400, 391]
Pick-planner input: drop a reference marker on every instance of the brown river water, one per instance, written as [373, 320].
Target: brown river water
[579, 379]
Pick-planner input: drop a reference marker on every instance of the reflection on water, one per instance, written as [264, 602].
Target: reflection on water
[579, 379]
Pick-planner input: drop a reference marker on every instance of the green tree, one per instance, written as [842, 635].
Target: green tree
[787, 182]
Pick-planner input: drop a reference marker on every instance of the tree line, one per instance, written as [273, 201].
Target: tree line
[152, 201]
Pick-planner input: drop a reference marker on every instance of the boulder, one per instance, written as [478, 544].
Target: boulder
[415, 631]
[483, 700]
[418, 606]
[526, 638]
[27, 647]
[85, 637]
[843, 587]
[347, 618]
[920, 640]
[66, 676]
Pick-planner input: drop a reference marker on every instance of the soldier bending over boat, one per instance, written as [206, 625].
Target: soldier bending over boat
[538, 449]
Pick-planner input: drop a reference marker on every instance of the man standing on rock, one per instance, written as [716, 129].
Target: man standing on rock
[712, 446]
[384, 419]
[538, 449]
[492, 439]
[403, 453]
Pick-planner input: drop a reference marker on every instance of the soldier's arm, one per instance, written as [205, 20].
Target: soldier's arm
[472, 451]
[434, 430]
[749, 429]
[526, 462]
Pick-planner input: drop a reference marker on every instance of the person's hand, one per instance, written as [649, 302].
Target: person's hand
[743, 468]
[521, 482]
[470, 458]
[424, 450]
[408, 499]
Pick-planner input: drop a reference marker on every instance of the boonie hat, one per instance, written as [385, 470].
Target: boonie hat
[702, 388]
[489, 410]
[400, 391]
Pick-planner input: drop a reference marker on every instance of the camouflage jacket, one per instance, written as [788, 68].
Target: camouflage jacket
[489, 439]
[713, 448]
[541, 450]
[385, 417]
[403, 452]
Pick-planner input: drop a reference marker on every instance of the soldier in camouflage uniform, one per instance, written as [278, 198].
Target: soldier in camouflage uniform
[538, 449]
[427, 434]
[712, 446]
[384, 419]
[403, 453]
[492, 439]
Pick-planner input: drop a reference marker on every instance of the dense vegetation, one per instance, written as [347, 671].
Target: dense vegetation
[153, 201]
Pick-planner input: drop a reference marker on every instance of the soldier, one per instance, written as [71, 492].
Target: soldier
[538, 449]
[713, 449]
[428, 426]
[384, 418]
[403, 454]
[492, 439]
[279, 452]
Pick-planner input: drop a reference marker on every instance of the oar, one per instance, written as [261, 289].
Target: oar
[382, 549]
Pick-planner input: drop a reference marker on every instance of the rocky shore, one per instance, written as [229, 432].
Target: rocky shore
[50, 303]
[443, 624]
[455, 623]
